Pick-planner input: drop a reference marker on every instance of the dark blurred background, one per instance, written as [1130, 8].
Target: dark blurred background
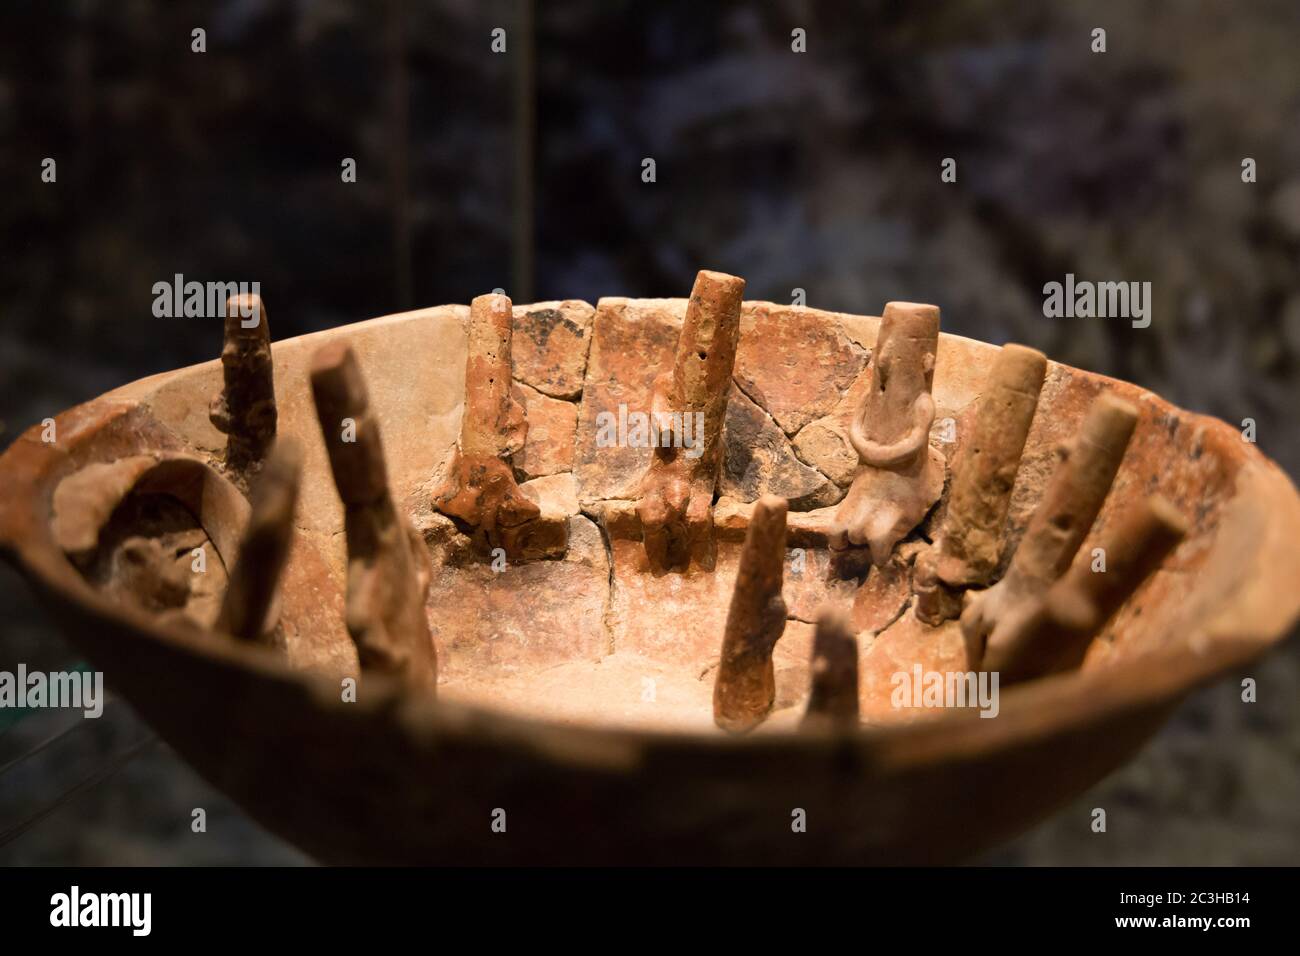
[523, 170]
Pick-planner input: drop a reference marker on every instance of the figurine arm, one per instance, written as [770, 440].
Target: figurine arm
[882, 455]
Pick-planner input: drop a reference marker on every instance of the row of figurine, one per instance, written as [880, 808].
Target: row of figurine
[1038, 619]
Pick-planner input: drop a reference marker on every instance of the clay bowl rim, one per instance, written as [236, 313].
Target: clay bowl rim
[1258, 615]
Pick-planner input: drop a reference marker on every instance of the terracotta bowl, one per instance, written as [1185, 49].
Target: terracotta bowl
[574, 699]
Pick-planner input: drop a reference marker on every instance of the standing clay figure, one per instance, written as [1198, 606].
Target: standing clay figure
[245, 409]
[901, 476]
[833, 701]
[388, 566]
[676, 506]
[997, 618]
[1078, 605]
[248, 609]
[746, 682]
[968, 545]
[480, 491]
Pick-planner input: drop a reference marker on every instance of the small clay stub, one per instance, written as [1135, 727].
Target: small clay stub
[833, 697]
[746, 684]
[248, 609]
